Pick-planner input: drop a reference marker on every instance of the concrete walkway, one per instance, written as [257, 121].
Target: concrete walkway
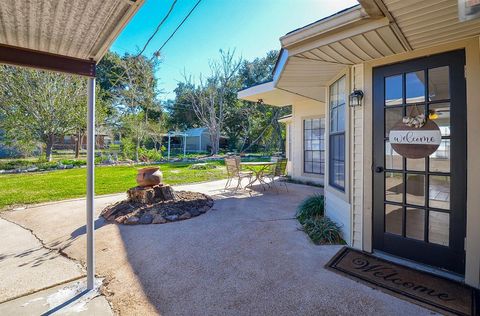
[246, 256]
[26, 266]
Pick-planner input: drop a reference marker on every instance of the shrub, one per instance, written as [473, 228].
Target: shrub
[76, 163]
[322, 230]
[312, 207]
[149, 154]
[202, 166]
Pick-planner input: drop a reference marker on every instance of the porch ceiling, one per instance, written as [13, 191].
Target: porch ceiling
[314, 61]
[269, 94]
[430, 22]
[78, 29]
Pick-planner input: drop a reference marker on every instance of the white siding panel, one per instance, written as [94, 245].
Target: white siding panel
[338, 210]
[357, 161]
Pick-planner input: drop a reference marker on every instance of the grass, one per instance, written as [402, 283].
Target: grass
[19, 189]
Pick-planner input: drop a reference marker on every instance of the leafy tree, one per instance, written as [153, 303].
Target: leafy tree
[36, 106]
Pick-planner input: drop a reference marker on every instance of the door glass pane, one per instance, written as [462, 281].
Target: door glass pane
[416, 189]
[393, 219]
[394, 187]
[415, 223]
[440, 114]
[392, 117]
[440, 159]
[438, 228]
[393, 90]
[439, 192]
[414, 110]
[415, 86]
[392, 159]
[416, 164]
[438, 83]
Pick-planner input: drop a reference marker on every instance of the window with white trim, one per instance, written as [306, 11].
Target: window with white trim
[314, 145]
[336, 155]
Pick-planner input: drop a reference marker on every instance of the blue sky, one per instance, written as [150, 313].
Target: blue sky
[252, 27]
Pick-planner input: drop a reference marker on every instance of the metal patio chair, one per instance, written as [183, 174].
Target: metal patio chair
[278, 172]
[234, 172]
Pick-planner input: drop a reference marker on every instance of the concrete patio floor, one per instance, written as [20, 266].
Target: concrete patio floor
[246, 256]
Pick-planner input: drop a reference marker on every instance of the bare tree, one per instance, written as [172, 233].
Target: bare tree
[209, 98]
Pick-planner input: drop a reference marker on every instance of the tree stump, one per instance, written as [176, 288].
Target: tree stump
[149, 195]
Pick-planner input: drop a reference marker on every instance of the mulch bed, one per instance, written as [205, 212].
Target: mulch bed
[185, 205]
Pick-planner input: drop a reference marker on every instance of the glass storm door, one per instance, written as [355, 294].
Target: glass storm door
[420, 204]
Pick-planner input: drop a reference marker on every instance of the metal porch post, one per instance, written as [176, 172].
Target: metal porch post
[168, 147]
[90, 184]
[184, 145]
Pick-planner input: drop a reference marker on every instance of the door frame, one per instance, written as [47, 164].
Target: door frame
[453, 260]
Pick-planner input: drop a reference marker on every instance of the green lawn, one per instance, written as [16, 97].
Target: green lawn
[64, 184]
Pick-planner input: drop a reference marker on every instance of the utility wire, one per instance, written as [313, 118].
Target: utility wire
[157, 52]
[157, 29]
[179, 26]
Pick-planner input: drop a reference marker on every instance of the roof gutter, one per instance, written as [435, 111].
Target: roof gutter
[327, 25]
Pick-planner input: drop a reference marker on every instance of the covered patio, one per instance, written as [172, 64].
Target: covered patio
[69, 37]
[246, 256]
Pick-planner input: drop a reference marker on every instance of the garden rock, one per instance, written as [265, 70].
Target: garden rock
[172, 218]
[146, 218]
[132, 220]
[184, 206]
[185, 215]
[159, 219]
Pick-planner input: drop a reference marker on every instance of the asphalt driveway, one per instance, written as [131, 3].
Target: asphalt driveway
[246, 256]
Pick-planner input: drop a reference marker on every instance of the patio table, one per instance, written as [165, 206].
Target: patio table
[258, 172]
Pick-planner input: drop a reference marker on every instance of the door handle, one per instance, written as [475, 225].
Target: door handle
[379, 169]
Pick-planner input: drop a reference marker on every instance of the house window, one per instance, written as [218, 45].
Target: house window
[337, 135]
[314, 146]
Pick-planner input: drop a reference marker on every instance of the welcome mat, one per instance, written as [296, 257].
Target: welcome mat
[419, 287]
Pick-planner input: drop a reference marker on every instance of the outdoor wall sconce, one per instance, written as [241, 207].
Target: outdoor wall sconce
[356, 98]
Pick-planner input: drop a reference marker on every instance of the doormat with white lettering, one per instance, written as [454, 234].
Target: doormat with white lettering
[422, 288]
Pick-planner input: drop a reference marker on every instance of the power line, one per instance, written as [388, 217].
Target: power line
[180, 25]
[157, 29]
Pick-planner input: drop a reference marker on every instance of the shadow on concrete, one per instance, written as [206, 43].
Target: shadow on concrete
[99, 222]
[242, 257]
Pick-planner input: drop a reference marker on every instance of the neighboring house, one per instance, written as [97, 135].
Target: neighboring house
[198, 140]
[401, 55]
[102, 141]
[193, 140]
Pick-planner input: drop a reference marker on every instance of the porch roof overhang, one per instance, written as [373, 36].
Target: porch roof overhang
[313, 55]
[57, 35]
[267, 93]
[71, 37]
[286, 119]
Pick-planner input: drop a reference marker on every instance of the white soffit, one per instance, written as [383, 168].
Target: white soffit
[269, 94]
[315, 60]
[79, 29]
[430, 22]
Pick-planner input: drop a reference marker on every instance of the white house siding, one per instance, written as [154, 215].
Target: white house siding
[301, 111]
[338, 210]
[357, 160]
